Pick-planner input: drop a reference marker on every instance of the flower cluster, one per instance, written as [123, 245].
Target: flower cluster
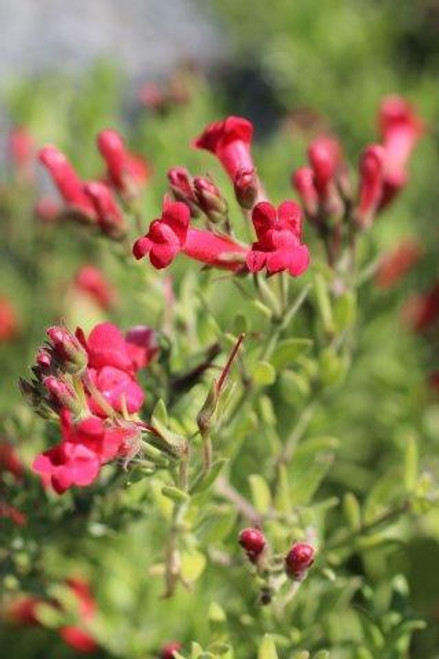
[94, 202]
[90, 384]
[326, 191]
[24, 611]
[278, 246]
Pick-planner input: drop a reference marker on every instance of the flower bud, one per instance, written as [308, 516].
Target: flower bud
[371, 184]
[210, 199]
[67, 350]
[43, 359]
[182, 186]
[298, 560]
[30, 393]
[169, 650]
[62, 395]
[247, 188]
[109, 216]
[303, 182]
[253, 542]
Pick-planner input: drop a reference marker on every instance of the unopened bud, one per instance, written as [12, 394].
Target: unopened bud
[169, 650]
[303, 182]
[247, 188]
[109, 216]
[210, 199]
[182, 186]
[62, 395]
[298, 560]
[43, 359]
[371, 184]
[253, 542]
[67, 350]
[30, 393]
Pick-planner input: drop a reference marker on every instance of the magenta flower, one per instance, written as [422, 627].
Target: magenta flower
[400, 130]
[171, 234]
[142, 345]
[127, 172]
[371, 183]
[109, 216]
[230, 140]
[279, 245]
[303, 182]
[106, 346]
[67, 464]
[67, 181]
[118, 387]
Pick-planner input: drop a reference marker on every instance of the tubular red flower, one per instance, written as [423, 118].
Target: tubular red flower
[21, 151]
[66, 180]
[304, 183]
[170, 235]
[106, 346]
[400, 130]
[8, 320]
[67, 464]
[371, 183]
[279, 244]
[230, 140]
[324, 155]
[397, 262]
[91, 281]
[109, 216]
[9, 461]
[126, 171]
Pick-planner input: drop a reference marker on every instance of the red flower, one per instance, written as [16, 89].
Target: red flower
[371, 183]
[142, 345]
[67, 464]
[78, 639]
[126, 171]
[398, 262]
[23, 610]
[9, 460]
[8, 320]
[109, 216]
[279, 244]
[400, 130]
[304, 183]
[422, 311]
[230, 140]
[67, 181]
[91, 280]
[106, 346]
[325, 157]
[118, 387]
[21, 151]
[171, 234]
[169, 650]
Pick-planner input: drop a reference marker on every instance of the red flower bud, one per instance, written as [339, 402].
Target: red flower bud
[66, 180]
[67, 350]
[298, 560]
[324, 155]
[253, 542]
[109, 216]
[182, 186]
[169, 650]
[210, 199]
[91, 281]
[62, 395]
[371, 184]
[304, 183]
[126, 171]
[247, 188]
[43, 359]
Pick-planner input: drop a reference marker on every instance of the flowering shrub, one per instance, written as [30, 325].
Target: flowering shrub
[214, 460]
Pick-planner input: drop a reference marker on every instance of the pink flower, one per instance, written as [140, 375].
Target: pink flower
[279, 244]
[371, 183]
[400, 130]
[21, 151]
[91, 281]
[67, 464]
[8, 320]
[67, 349]
[126, 171]
[324, 155]
[109, 216]
[118, 387]
[171, 234]
[106, 346]
[67, 181]
[230, 140]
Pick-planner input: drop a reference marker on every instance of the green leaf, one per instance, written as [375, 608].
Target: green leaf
[264, 374]
[287, 351]
[160, 412]
[192, 565]
[216, 526]
[324, 304]
[411, 464]
[240, 324]
[345, 308]
[207, 480]
[352, 512]
[267, 649]
[175, 494]
[261, 495]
